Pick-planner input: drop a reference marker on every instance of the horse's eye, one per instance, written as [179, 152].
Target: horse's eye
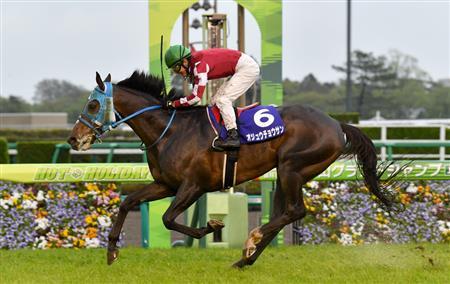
[93, 107]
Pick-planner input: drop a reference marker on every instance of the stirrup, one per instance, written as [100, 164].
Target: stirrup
[214, 147]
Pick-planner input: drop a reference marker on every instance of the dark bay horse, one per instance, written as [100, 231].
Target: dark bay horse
[183, 164]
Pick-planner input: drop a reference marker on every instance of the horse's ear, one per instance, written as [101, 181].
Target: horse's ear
[108, 78]
[100, 83]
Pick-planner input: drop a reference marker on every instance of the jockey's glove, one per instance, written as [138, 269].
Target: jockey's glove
[169, 105]
[174, 94]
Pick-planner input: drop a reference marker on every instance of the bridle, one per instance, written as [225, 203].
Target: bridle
[104, 119]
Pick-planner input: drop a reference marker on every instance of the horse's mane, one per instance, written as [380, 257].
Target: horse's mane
[149, 85]
[146, 83]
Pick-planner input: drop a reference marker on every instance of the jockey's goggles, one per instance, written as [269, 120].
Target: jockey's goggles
[177, 67]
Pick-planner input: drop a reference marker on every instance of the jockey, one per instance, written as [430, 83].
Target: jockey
[215, 63]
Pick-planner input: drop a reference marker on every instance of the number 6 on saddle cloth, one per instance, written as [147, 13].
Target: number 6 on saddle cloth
[255, 123]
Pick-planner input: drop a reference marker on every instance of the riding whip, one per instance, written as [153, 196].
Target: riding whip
[162, 71]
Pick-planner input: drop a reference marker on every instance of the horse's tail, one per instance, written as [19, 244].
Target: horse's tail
[360, 145]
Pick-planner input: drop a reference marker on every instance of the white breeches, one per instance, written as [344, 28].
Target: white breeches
[247, 72]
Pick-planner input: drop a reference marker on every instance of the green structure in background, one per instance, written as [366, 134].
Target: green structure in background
[268, 14]
[267, 194]
[159, 236]
[231, 209]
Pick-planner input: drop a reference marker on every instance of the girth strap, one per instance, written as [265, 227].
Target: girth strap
[230, 168]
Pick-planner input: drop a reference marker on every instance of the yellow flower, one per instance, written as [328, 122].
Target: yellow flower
[112, 186]
[92, 187]
[64, 233]
[91, 232]
[78, 243]
[419, 189]
[89, 219]
[344, 229]
[334, 237]
[437, 200]
[404, 198]
[380, 218]
[115, 200]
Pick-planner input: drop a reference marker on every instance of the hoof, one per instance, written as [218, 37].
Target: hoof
[215, 224]
[239, 264]
[112, 256]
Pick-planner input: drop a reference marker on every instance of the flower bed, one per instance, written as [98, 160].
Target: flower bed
[79, 215]
[347, 214]
[56, 215]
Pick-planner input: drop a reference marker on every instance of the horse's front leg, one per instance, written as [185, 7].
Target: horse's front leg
[187, 194]
[153, 191]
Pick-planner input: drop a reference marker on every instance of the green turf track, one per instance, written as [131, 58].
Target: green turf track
[305, 264]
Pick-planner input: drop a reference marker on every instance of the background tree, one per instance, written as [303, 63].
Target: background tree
[14, 104]
[406, 66]
[53, 95]
[368, 73]
[394, 84]
[327, 97]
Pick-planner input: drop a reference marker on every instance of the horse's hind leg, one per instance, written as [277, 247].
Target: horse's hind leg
[292, 176]
[151, 192]
[290, 182]
[278, 209]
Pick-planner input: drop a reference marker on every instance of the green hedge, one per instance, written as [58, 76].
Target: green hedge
[406, 133]
[347, 117]
[40, 152]
[45, 152]
[373, 132]
[14, 135]
[413, 133]
[4, 156]
[102, 158]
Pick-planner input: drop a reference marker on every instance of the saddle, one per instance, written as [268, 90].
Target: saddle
[255, 124]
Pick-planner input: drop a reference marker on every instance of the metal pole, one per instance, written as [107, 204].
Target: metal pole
[241, 41]
[348, 101]
[442, 138]
[186, 28]
[241, 28]
[186, 43]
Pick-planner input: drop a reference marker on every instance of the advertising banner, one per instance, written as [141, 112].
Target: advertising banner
[139, 172]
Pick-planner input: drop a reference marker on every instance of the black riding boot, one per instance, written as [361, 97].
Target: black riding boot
[231, 142]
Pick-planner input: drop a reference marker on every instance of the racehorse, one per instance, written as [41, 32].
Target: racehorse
[183, 164]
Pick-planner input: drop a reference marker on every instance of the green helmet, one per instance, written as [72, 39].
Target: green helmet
[175, 54]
